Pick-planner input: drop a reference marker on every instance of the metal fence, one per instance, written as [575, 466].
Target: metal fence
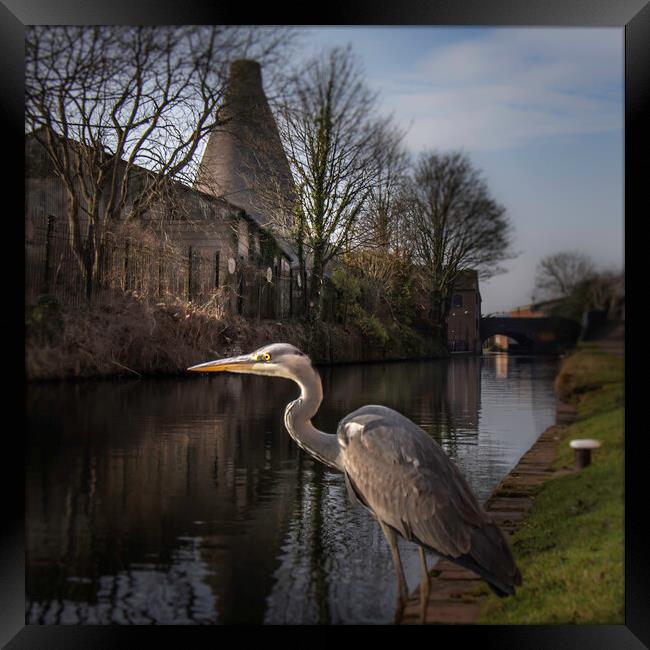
[157, 273]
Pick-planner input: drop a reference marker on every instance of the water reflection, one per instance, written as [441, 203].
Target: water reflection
[185, 501]
[501, 365]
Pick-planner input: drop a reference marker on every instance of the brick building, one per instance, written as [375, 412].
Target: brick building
[464, 320]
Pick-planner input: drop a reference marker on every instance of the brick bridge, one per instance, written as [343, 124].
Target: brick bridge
[538, 335]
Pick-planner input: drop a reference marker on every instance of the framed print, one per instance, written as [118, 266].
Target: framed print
[21, 627]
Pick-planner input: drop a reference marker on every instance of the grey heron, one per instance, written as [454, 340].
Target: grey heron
[395, 470]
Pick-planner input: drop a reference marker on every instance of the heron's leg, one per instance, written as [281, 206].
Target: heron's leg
[389, 533]
[424, 586]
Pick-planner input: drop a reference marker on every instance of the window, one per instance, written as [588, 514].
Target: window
[457, 300]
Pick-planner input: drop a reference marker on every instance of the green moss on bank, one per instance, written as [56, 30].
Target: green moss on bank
[570, 549]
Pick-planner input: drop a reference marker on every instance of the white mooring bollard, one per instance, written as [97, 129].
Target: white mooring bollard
[582, 451]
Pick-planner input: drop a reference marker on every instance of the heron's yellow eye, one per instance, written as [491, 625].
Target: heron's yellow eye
[266, 356]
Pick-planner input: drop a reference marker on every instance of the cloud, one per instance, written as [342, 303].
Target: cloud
[507, 86]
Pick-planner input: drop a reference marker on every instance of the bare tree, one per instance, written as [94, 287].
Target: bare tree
[559, 274]
[335, 145]
[377, 244]
[454, 224]
[121, 113]
[379, 253]
[380, 225]
[571, 278]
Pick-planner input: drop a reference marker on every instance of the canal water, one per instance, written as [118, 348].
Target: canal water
[185, 501]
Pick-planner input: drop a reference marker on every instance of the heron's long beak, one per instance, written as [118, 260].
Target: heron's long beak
[242, 363]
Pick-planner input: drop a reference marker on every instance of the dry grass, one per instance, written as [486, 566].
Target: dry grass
[129, 336]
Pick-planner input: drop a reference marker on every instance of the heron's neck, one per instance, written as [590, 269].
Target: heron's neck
[297, 418]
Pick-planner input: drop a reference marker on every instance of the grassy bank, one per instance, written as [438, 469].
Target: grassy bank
[570, 549]
[131, 337]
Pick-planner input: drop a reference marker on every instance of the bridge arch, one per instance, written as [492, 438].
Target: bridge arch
[522, 340]
[546, 334]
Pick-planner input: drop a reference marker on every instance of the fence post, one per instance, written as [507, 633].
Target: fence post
[189, 274]
[290, 292]
[216, 269]
[240, 288]
[90, 253]
[48, 253]
[160, 271]
[112, 269]
[277, 292]
[126, 263]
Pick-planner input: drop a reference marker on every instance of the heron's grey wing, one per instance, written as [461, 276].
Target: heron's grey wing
[410, 483]
[407, 480]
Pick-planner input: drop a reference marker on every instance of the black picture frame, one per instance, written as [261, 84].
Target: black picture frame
[632, 16]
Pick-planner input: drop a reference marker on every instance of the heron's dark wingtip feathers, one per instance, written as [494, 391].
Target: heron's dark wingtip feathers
[501, 590]
[502, 586]
[491, 558]
[490, 549]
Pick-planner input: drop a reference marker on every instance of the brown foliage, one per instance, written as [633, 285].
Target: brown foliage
[129, 336]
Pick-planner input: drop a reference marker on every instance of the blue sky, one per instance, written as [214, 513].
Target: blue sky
[539, 111]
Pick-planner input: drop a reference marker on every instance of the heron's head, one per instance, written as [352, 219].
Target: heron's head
[275, 360]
